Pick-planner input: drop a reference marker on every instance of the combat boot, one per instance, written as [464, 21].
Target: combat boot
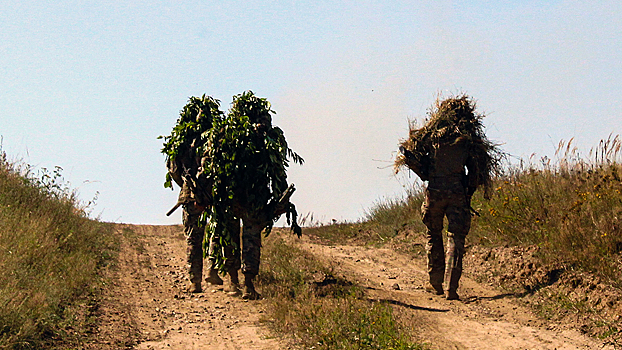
[213, 278]
[452, 295]
[436, 289]
[233, 288]
[249, 288]
[195, 287]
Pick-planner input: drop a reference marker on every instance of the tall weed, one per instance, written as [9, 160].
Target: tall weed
[571, 207]
[384, 220]
[390, 216]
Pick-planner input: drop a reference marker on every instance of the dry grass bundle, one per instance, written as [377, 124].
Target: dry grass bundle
[451, 121]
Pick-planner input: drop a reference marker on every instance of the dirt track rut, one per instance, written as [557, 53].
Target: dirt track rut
[150, 306]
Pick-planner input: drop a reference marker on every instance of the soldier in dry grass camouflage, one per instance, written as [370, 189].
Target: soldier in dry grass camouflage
[453, 155]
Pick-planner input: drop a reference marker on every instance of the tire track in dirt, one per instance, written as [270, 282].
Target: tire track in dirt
[484, 318]
[146, 307]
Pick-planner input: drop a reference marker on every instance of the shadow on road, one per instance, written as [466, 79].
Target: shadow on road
[413, 307]
[500, 296]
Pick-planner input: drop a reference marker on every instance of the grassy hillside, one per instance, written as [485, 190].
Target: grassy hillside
[571, 209]
[49, 255]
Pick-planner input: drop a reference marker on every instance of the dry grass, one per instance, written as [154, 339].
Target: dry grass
[49, 254]
[571, 207]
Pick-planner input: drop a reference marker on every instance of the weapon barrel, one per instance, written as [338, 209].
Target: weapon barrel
[281, 205]
[174, 208]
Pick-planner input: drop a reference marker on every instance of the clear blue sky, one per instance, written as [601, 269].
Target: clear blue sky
[89, 85]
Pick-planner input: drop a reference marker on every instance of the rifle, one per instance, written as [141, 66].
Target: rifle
[175, 207]
[282, 205]
[195, 187]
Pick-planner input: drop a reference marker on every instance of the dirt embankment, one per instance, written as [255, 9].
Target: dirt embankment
[146, 306]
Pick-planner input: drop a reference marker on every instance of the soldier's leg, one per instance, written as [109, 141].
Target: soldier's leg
[459, 218]
[432, 212]
[251, 254]
[212, 274]
[232, 255]
[194, 239]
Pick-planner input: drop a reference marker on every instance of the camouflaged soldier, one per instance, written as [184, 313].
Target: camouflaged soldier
[183, 163]
[247, 165]
[453, 155]
[253, 224]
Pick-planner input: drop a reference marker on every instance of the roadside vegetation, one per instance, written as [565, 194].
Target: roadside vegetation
[50, 252]
[318, 310]
[570, 207]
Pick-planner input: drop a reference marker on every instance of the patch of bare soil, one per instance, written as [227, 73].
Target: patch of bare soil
[147, 307]
[484, 318]
[571, 298]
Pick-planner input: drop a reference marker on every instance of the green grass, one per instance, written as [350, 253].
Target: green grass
[320, 311]
[50, 252]
[383, 221]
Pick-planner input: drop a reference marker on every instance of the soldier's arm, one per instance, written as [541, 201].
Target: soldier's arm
[472, 176]
[418, 166]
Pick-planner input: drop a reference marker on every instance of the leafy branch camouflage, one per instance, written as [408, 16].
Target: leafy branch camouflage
[184, 144]
[236, 164]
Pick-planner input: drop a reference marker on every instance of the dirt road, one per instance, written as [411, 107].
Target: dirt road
[146, 307]
[484, 318]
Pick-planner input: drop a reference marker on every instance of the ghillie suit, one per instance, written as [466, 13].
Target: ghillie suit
[183, 149]
[451, 140]
[245, 162]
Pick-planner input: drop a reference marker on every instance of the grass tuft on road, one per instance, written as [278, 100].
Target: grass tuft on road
[322, 311]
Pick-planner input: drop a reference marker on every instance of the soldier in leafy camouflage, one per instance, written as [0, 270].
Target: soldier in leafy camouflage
[183, 150]
[253, 224]
[247, 167]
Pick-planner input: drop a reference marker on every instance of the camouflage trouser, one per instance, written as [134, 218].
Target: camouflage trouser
[251, 246]
[445, 267]
[194, 238]
[231, 252]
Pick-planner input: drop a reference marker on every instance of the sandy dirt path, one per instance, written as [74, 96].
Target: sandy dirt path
[484, 318]
[146, 307]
